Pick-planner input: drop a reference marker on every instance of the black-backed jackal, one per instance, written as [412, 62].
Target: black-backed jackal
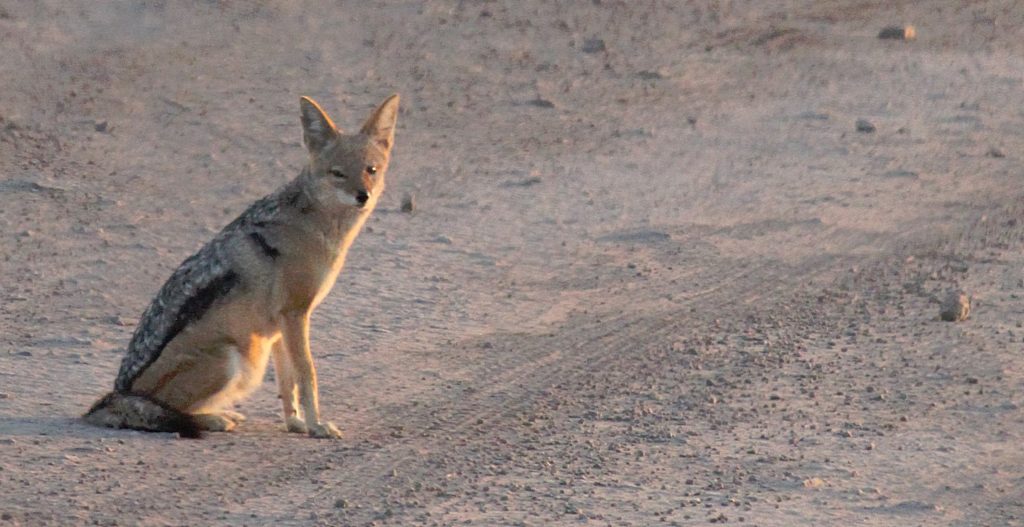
[247, 295]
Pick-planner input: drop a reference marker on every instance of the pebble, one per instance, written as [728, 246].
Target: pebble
[594, 45]
[956, 307]
[865, 126]
[648, 75]
[119, 321]
[408, 203]
[898, 33]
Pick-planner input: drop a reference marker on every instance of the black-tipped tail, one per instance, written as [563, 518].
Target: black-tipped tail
[139, 412]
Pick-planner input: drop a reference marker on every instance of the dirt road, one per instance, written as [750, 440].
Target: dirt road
[655, 275]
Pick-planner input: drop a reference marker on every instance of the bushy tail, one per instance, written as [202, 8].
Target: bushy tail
[138, 412]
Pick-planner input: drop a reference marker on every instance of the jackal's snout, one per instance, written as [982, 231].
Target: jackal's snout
[362, 197]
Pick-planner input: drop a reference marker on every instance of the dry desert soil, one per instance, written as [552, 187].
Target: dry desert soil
[657, 273]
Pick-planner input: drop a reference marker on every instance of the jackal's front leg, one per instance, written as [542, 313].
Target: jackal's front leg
[286, 389]
[296, 342]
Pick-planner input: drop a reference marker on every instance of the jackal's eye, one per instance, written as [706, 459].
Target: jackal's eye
[337, 173]
[372, 169]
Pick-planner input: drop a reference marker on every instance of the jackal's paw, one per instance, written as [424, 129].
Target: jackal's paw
[214, 422]
[234, 416]
[324, 430]
[295, 425]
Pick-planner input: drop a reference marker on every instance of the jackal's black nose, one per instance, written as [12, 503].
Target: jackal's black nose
[362, 197]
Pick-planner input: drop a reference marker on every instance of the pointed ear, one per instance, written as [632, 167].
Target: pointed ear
[317, 128]
[380, 126]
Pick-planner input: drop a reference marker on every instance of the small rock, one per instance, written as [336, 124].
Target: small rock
[995, 152]
[341, 503]
[865, 126]
[5, 395]
[6, 517]
[649, 75]
[119, 321]
[909, 174]
[594, 45]
[528, 182]
[898, 33]
[956, 307]
[101, 126]
[814, 116]
[541, 103]
[408, 203]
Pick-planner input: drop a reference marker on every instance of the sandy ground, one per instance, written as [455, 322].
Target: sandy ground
[655, 275]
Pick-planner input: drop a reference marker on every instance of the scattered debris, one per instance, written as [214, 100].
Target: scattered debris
[20, 185]
[898, 33]
[865, 126]
[814, 483]
[956, 307]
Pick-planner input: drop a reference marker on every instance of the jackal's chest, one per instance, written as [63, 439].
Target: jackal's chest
[311, 272]
[328, 277]
[306, 282]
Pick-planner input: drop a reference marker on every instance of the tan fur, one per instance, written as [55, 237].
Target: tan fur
[221, 357]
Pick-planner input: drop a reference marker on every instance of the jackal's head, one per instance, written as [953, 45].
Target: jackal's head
[346, 171]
